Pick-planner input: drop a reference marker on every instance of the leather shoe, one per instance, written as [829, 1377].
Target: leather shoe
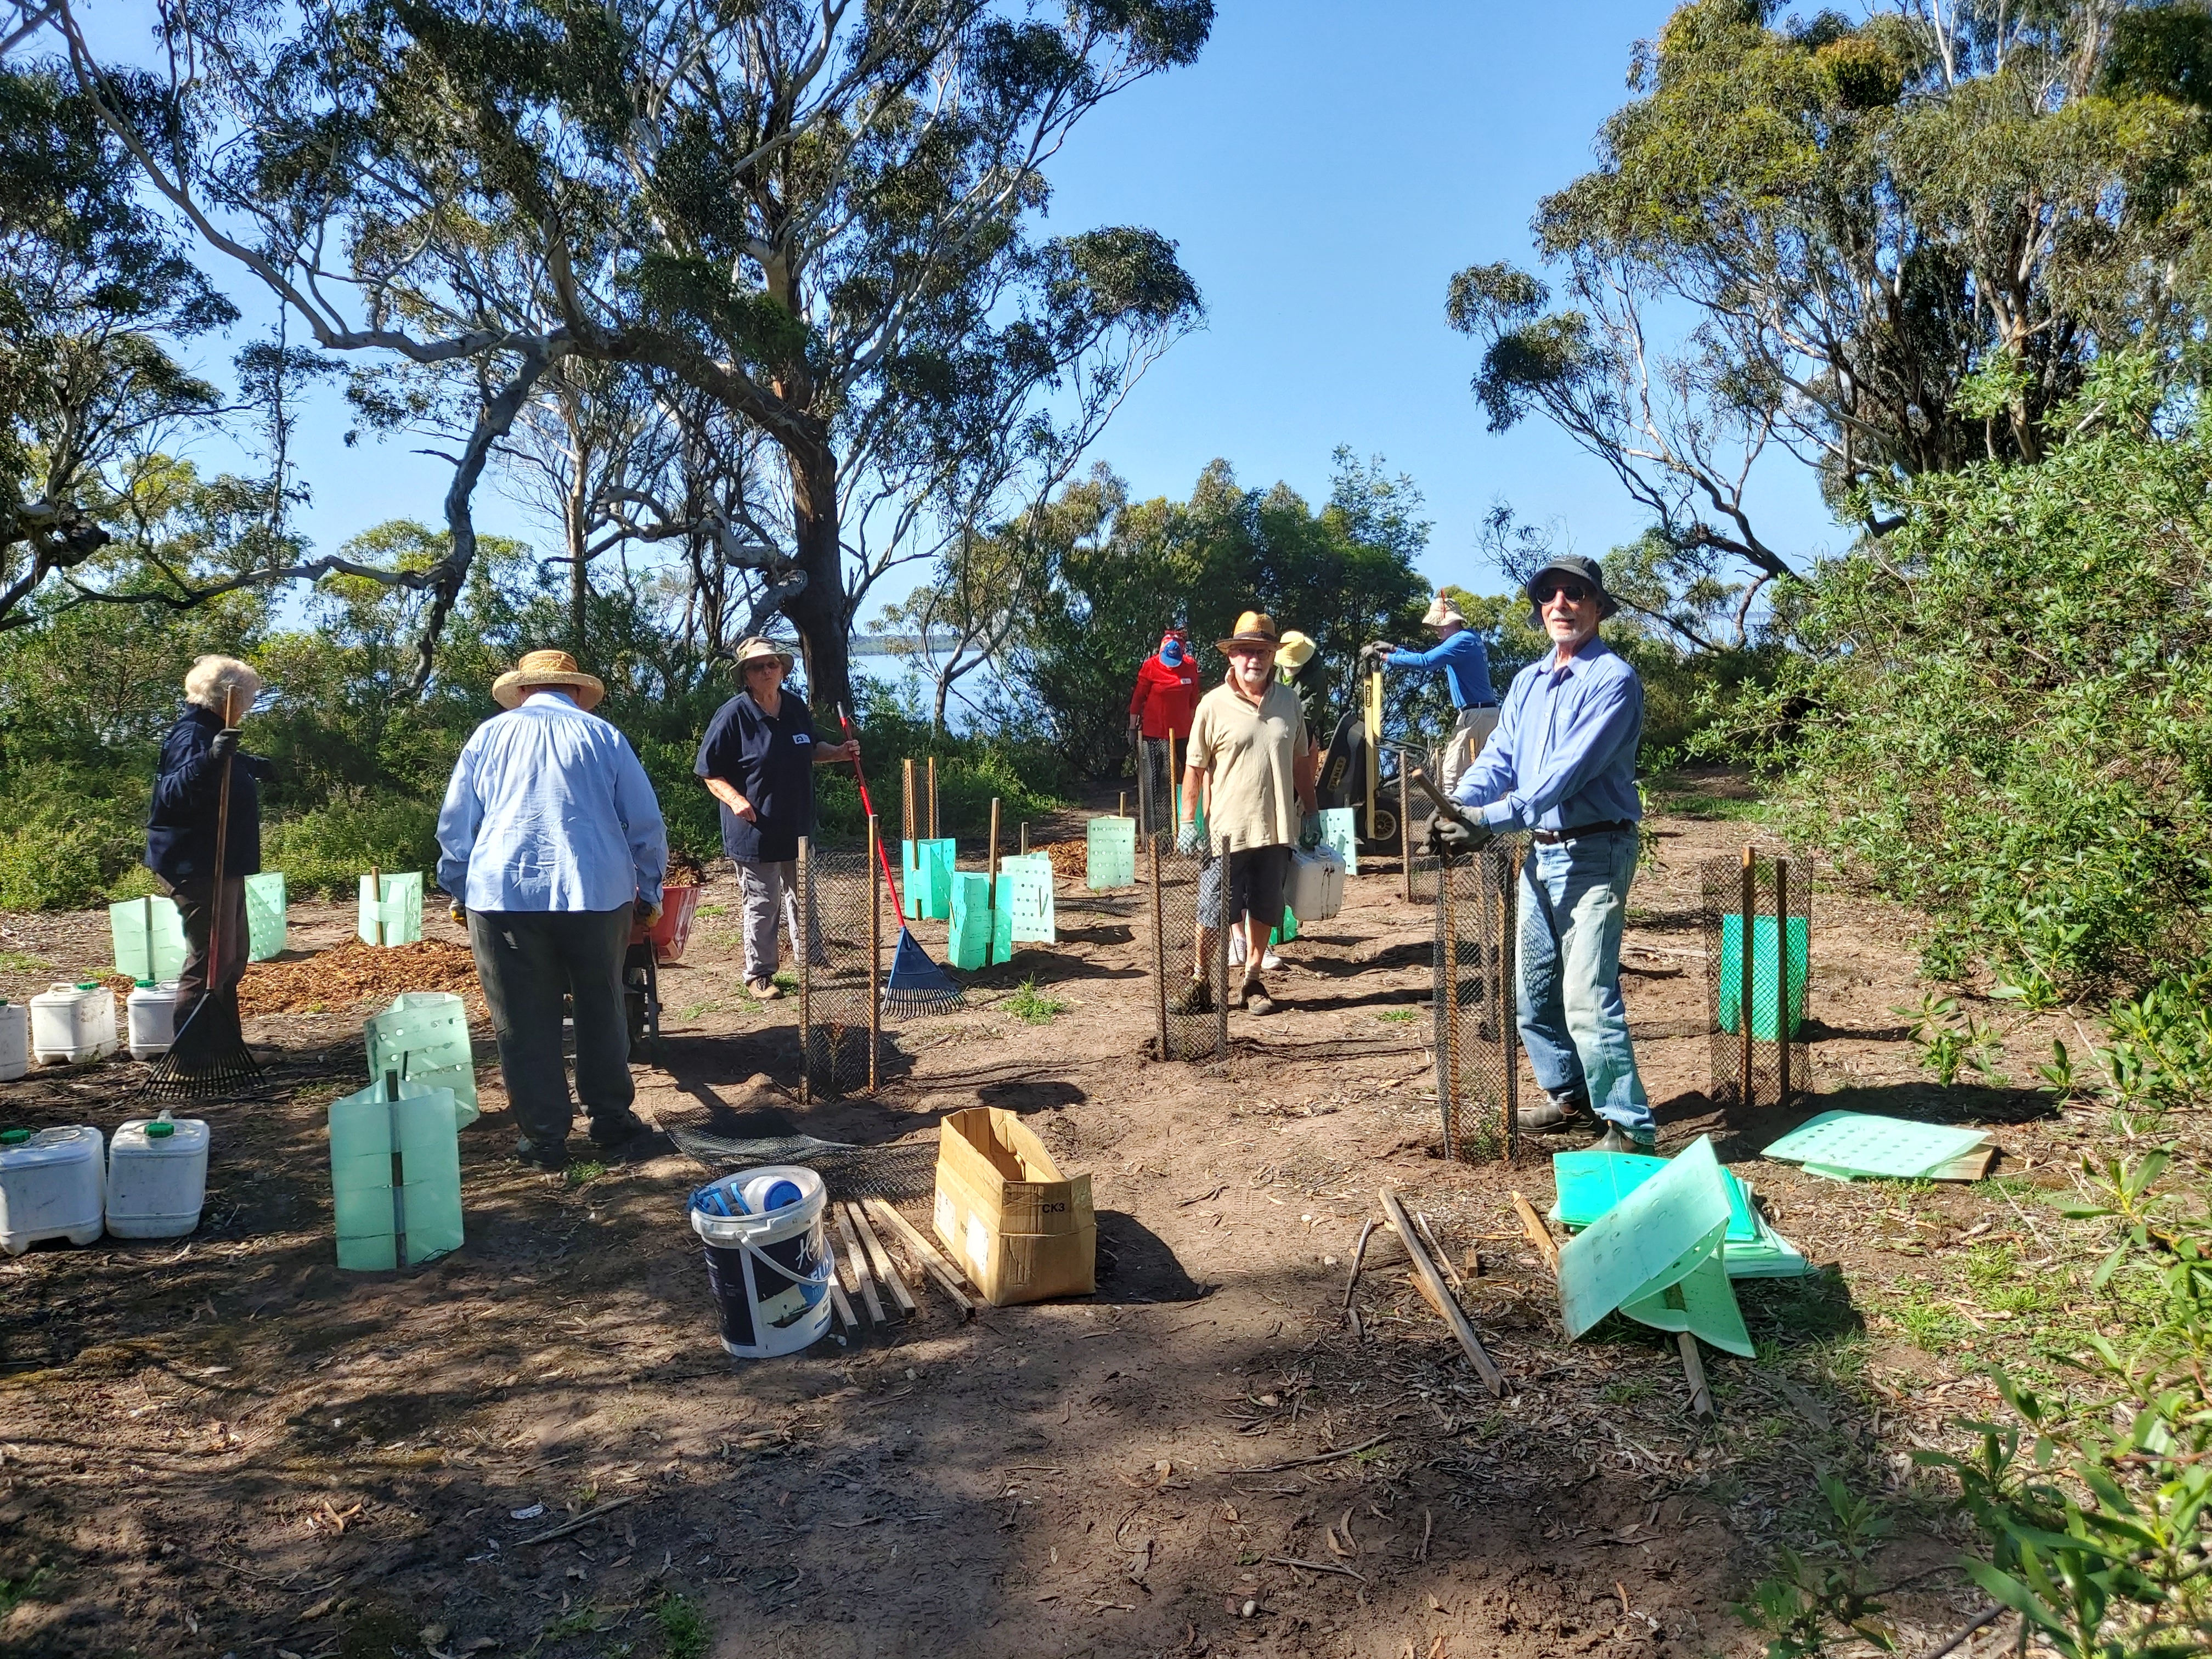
[1617, 1140]
[543, 1154]
[1554, 1117]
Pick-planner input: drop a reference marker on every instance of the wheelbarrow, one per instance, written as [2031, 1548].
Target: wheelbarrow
[650, 947]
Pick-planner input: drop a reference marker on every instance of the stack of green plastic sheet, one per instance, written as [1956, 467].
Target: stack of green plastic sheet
[1656, 1256]
[1591, 1183]
[1843, 1146]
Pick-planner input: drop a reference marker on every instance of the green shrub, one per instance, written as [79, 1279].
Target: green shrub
[326, 851]
[68, 840]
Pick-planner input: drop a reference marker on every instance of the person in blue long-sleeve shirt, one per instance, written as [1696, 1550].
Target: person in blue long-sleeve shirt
[1464, 661]
[1562, 765]
[551, 843]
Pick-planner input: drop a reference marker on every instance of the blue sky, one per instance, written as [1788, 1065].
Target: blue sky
[1324, 168]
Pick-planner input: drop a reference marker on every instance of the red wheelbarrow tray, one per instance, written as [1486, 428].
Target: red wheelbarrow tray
[673, 930]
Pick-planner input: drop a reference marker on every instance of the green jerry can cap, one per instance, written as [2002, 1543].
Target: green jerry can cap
[160, 1127]
[88, 985]
[143, 984]
[14, 1137]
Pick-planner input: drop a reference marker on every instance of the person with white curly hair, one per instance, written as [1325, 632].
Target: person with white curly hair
[180, 832]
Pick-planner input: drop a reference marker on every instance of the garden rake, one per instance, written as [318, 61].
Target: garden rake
[917, 985]
[208, 1059]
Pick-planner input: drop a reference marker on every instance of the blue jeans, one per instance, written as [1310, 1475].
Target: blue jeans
[1573, 1022]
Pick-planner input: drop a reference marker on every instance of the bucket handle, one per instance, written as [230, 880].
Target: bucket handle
[824, 1269]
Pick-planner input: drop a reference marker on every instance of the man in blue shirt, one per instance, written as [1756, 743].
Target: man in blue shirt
[551, 843]
[1464, 661]
[1562, 765]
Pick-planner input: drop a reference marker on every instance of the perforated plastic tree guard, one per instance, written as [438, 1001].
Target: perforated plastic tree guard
[1109, 854]
[968, 940]
[1591, 1183]
[266, 907]
[1026, 899]
[1340, 828]
[1766, 963]
[1656, 1256]
[1841, 1145]
[398, 906]
[925, 878]
[424, 1036]
[150, 939]
[395, 1176]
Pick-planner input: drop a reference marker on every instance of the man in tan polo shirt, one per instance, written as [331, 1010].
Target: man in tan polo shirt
[1251, 758]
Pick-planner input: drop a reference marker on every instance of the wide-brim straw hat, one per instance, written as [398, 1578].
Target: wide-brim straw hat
[547, 671]
[1443, 609]
[757, 650]
[1253, 627]
[1295, 652]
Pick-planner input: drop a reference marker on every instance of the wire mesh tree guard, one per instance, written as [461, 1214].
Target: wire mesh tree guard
[1477, 1041]
[1173, 882]
[844, 910]
[1758, 916]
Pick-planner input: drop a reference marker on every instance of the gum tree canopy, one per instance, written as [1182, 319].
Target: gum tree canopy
[817, 217]
[1899, 242]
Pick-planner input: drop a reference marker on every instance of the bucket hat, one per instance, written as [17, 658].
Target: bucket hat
[1253, 627]
[756, 649]
[1588, 571]
[1296, 650]
[543, 670]
[1443, 609]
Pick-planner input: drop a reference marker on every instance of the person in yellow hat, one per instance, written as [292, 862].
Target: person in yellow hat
[1250, 757]
[551, 843]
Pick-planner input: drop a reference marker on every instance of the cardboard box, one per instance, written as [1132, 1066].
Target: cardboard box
[1020, 1230]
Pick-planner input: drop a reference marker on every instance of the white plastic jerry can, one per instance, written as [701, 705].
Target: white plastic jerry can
[157, 1177]
[72, 1023]
[15, 1040]
[51, 1183]
[151, 1011]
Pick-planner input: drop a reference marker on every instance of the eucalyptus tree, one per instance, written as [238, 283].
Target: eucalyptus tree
[1899, 244]
[820, 217]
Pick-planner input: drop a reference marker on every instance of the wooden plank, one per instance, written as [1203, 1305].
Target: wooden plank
[843, 1307]
[886, 1272]
[1453, 1314]
[1445, 1261]
[1539, 1234]
[946, 1275]
[860, 1263]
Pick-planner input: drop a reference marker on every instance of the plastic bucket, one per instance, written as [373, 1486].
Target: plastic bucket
[770, 1273]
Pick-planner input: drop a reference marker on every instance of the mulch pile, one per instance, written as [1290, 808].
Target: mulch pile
[353, 972]
[1070, 859]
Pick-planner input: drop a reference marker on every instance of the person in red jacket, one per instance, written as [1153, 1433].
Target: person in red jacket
[1165, 702]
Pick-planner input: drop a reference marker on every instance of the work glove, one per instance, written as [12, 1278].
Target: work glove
[260, 768]
[1376, 650]
[1449, 837]
[648, 912]
[457, 912]
[1309, 836]
[1186, 839]
[224, 744]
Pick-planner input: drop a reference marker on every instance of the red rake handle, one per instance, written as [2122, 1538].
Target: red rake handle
[867, 806]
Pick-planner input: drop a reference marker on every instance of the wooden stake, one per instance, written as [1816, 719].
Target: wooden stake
[1781, 979]
[875, 950]
[880, 1260]
[1436, 1250]
[803, 913]
[1121, 806]
[375, 886]
[946, 1275]
[1359, 1258]
[1547, 1247]
[1025, 837]
[1453, 1314]
[1744, 996]
[991, 862]
[1693, 1367]
[859, 1261]
[906, 794]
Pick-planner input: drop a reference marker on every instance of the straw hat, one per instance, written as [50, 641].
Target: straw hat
[1253, 627]
[1443, 610]
[544, 671]
[1296, 652]
[756, 649]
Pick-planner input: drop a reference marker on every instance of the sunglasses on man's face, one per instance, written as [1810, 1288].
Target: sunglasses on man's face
[1573, 592]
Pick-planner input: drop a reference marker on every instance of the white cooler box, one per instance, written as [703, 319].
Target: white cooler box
[1316, 885]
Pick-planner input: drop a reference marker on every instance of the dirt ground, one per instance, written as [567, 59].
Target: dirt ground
[227, 1446]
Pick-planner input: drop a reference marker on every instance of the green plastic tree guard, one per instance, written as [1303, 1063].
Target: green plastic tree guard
[1656, 1256]
[265, 908]
[395, 1177]
[1766, 960]
[424, 1037]
[1340, 828]
[1025, 900]
[1109, 854]
[968, 940]
[926, 878]
[150, 939]
[1841, 1145]
[397, 905]
[1289, 930]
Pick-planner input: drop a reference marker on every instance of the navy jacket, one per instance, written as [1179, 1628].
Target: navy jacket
[180, 833]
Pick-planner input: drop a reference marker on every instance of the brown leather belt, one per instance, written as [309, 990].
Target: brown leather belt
[1553, 837]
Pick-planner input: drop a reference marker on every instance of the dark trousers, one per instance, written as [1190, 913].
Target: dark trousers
[195, 908]
[527, 961]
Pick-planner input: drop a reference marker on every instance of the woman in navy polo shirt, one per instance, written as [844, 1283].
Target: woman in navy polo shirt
[758, 760]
